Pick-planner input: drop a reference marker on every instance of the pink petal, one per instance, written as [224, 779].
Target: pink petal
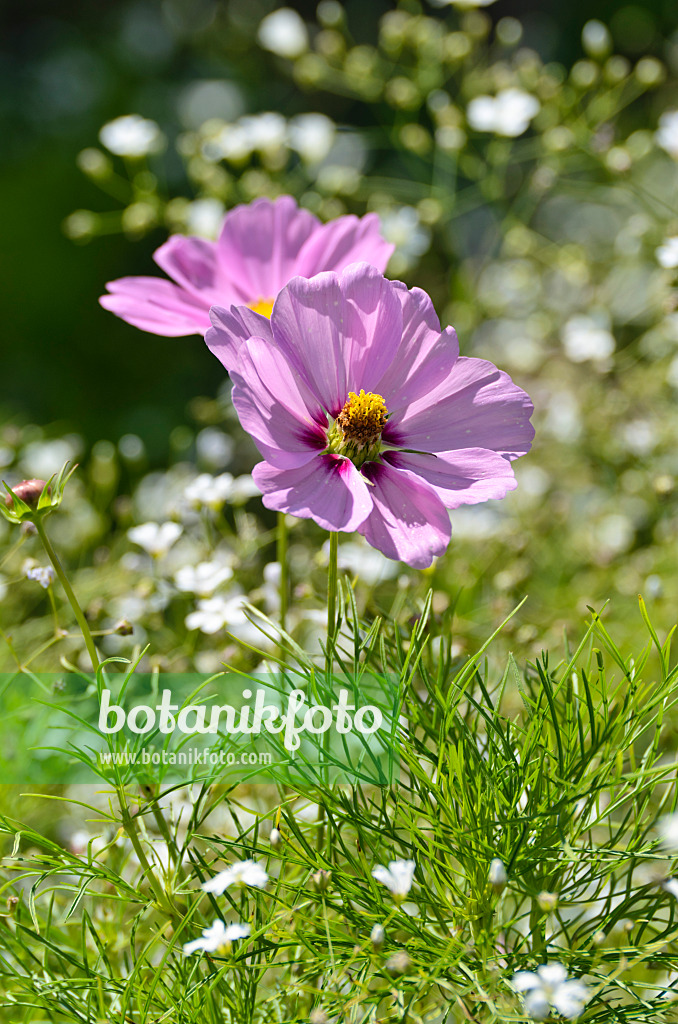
[339, 331]
[409, 521]
[463, 477]
[230, 328]
[425, 355]
[156, 305]
[193, 264]
[343, 241]
[277, 409]
[329, 489]
[477, 406]
[259, 246]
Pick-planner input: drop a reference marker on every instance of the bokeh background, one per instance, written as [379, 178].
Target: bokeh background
[544, 238]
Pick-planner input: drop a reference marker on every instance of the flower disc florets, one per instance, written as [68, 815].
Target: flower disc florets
[357, 430]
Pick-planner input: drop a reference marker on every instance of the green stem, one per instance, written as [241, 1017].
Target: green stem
[332, 576]
[128, 822]
[284, 569]
[68, 589]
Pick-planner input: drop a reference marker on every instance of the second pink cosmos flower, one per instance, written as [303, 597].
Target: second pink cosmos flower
[259, 249]
[365, 414]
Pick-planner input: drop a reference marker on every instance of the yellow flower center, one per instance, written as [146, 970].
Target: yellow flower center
[357, 429]
[263, 306]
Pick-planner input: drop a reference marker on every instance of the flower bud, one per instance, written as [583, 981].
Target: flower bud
[321, 880]
[29, 491]
[377, 936]
[399, 963]
[548, 901]
[33, 499]
[275, 838]
[497, 876]
[12, 904]
[123, 627]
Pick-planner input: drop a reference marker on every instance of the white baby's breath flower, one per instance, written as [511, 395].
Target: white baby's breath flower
[584, 338]
[205, 217]
[667, 133]
[243, 489]
[497, 876]
[132, 136]
[209, 491]
[42, 574]
[667, 253]
[508, 113]
[311, 135]
[202, 579]
[266, 131]
[284, 33]
[667, 826]
[214, 614]
[397, 877]
[411, 238]
[218, 938]
[670, 885]
[243, 873]
[549, 988]
[155, 538]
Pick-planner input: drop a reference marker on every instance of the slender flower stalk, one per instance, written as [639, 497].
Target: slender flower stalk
[332, 578]
[128, 822]
[284, 569]
[70, 593]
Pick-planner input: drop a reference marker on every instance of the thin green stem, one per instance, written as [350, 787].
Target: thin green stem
[128, 821]
[284, 568]
[332, 576]
[70, 594]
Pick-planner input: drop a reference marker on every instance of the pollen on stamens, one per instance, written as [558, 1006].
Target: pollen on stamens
[262, 306]
[362, 419]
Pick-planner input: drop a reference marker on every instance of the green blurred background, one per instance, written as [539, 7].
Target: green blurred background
[65, 69]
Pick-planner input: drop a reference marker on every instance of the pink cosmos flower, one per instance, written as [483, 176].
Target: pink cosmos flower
[366, 416]
[260, 248]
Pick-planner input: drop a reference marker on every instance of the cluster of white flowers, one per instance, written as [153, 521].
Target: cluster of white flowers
[549, 988]
[508, 113]
[42, 574]
[219, 938]
[310, 135]
[132, 136]
[155, 538]
[207, 491]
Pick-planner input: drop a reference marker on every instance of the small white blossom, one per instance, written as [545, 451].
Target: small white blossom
[209, 491]
[549, 988]
[266, 131]
[243, 873]
[284, 32]
[497, 876]
[584, 338]
[397, 877]
[216, 613]
[403, 228]
[243, 489]
[132, 136]
[155, 538]
[202, 579]
[312, 136]
[667, 827]
[205, 217]
[377, 936]
[667, 253]
[42, 574]
[508, 113]
[670, 885]
[218, 938]
[667, 133]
